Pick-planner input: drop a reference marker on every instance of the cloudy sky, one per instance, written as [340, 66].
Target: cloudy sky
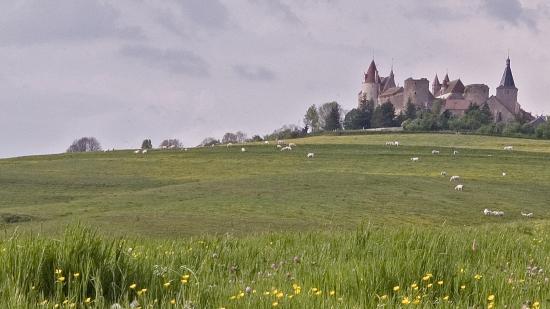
[126, 70]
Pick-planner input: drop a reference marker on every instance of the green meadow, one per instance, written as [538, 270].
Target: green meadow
[360, 225]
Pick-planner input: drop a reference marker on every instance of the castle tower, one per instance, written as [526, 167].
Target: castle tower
[507, 93]
[436, 86]
[390, 82]
[371, 85]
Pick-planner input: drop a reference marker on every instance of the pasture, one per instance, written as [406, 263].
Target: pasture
[351, 179]
[359, 225]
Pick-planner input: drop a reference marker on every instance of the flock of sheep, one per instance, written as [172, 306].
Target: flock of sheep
[460, 187]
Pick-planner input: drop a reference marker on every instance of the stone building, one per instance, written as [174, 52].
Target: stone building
[455, 96]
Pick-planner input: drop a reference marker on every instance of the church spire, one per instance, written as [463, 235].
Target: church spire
[507, 78]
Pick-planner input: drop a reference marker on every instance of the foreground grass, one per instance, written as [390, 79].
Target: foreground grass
[443, 267]
[167, 194]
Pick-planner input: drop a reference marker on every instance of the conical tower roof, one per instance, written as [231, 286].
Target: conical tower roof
[507, 78]
[436, 81]
[371, 73]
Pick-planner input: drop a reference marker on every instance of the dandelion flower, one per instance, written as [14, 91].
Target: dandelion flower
[167, 284]
[446, 298]
[426, 278]
[416, 301]
[275, 304]
[430, 285]
[536, 305]
[88, 300]
[490, 305]
[318, 292]
[173, 301]
[396, 288]
[440, 282]
[61, 279]
[462, 287]
[491, 297]
[405, 301]
[414, 285]
[232, 297]
[280, 295]
[133, 286]
[478, 277]
[76, 275]
[332, 293]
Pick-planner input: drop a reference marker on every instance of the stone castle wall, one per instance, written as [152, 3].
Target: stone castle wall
[418, 91]
[476, 94]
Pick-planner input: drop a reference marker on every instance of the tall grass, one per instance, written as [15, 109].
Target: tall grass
[434, 267]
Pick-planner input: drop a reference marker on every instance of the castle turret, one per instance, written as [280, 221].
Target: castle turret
[436, 86]
[445, 84]
[507, 93]
[389, 82]
[371, 86]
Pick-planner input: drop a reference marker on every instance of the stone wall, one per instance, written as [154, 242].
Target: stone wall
[418, 90]
[476, 94]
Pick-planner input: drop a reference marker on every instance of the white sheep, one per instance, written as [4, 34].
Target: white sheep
[415, 159]
[144, 151]
[291, 145]
[434, 152]
[459, 187]
[229, 145]
[486, 212]
[266, 142]
[286, 148]
[503, 173]
[443, 173]
[497, 213]
[528, 215]
[310, 155]
[455, 152]
[279, 146]
[454, 178]
[508, 148]
[137, 151]
[389, 143]
[243, 149]
[280, 142]
[396, 143]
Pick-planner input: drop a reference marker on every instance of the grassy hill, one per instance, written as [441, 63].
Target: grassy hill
[358, 226]
[352, 179]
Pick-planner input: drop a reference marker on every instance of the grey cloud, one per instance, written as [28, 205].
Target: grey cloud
[206, 13]
[510, 11]
[30, 22]
[254, 73]
[280, 9]
[171, 60]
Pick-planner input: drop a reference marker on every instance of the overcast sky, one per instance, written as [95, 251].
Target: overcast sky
[126, 70]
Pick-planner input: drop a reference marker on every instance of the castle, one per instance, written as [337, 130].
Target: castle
[453, 94]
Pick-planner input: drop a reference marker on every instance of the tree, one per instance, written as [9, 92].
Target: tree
[209, 141]
[84, 144]
[311, 118]
[410, 110]
[325, 110]
[358, 118]
[383, 116]
[256, 138]
[229, 138]
[332, 119]
[486, 115]
[241, 136]
[285, 132]
[146, 144]
[171, 143]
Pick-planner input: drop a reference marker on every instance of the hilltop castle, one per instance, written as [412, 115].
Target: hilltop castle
[454, 95]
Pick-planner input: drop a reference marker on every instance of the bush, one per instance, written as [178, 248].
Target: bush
[171, 143]
[146, 144]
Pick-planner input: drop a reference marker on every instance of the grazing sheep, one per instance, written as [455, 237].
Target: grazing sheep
[144, 151]
[459, 187]
[389, 143]
[137, 151]
[286, 148]
[454, 178]
[396, 143]
[455, 152]
[310, 155]
[291, 145]
[415, 159]
[503, 173]
[443, 173]
[243, 149]
[280, 142]
[508, 148]
[434, 152]
[266, 142]
[528, 215]
[279, 146]
[229, 145]
[496, 213]
[184, 149]
[486, 212]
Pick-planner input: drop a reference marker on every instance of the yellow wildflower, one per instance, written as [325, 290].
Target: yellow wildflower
[280, 295]
[396, 288]
[183, 281]
[173, 301]
[76, 275]
[384, 297]
[416, 301]
[446, 298]
[491, 297]
[405, 301]
[430, 285]
[88, 300]
[478, 277]
[440, 282]
[61, 279]
[332, 293]
[426, 278]
[536, 305]
[462, 287]
[167, 284]
[318, 292]
[490, 305]
[414, 285]
[133, 286]
[275, 304]
[232, 297]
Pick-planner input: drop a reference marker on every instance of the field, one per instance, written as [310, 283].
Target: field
[358, 226]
